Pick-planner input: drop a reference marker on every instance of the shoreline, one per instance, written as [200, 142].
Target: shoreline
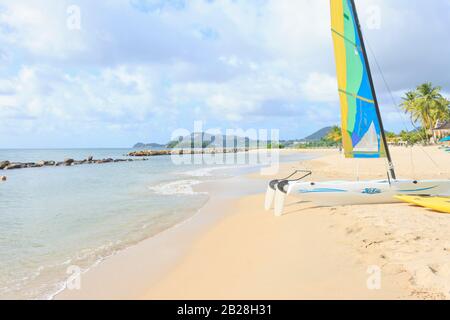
[166, 247]
[95, 283]
[177, 238]
[309, 253]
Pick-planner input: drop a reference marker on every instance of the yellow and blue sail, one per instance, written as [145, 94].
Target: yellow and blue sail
[361, 127]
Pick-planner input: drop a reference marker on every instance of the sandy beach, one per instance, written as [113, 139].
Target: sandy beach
[142, 143]
[233, 249]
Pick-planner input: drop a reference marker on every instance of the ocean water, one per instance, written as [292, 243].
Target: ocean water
[53, 218]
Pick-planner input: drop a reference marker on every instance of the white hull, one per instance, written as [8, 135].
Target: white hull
[339, 193]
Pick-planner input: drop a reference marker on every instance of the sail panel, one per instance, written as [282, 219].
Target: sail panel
[358, 109]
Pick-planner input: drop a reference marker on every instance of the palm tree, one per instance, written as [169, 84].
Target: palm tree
[426, 106]
[334, 135]
[409, 105]
[391, 137]
[441, 111]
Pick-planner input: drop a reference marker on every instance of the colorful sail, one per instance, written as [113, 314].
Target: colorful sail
[361, 129]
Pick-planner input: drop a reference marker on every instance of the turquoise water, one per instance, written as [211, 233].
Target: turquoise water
[55, 217]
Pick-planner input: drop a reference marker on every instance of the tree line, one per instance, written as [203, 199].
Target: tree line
[426, 107]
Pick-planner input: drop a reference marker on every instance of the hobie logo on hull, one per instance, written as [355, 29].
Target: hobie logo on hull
[371, 191]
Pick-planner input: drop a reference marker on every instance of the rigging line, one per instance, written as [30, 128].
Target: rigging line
[394, 101]
[397, 107]
[411, 157]
[388, 88]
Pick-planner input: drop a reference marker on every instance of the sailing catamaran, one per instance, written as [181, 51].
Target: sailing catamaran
[363, 134]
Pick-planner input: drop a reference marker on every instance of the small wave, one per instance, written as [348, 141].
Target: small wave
[206, 172]
[183, 187]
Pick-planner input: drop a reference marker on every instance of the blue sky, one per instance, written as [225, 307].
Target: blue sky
[139, 69]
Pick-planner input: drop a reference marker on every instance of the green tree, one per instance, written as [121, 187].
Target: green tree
[413, 137]
[441, 111]
[391, 137]
[275, 145]
[426, 105]
[334, 136]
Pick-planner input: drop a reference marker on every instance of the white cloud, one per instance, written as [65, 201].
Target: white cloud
[39, 27]
[320, 87]
[227, 61]
[123, 95]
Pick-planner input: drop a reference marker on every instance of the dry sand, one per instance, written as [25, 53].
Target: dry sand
[324, 253]
[308, 253]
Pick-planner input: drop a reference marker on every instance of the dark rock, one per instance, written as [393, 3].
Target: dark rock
[34, 165]
[13, 166]
[45, 163]
[104, 160]
[68, 161]
[4, 164]
[2, 178]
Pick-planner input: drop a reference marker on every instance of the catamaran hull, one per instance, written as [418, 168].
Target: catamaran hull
[340, 193]
[362, 129]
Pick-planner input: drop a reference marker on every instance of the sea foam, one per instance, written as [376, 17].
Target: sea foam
[181, 187]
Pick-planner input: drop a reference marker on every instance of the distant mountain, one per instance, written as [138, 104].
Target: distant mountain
[206, 140]
[141, 145]
[318, 135]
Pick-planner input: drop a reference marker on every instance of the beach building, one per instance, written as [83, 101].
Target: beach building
[441, 130]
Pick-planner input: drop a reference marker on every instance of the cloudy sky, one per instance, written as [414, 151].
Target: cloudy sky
[136, 70]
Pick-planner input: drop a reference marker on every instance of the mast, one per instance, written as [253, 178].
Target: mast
[377, 108]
